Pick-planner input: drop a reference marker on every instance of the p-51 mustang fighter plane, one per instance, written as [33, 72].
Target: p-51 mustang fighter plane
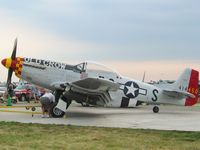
[97, 85]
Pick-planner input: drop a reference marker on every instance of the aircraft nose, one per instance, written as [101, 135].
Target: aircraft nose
[15, 64]
[7, 62]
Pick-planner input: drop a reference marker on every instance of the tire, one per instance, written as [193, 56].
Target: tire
[33, 109]
[56, 113]
[155, 109]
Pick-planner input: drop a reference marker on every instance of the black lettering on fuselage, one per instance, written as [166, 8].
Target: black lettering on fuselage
[54, 64]
[34, 60]
[27, 60]
[155, 98]
[38, 61]
[48, 63]
[62, 66]
[42, 62]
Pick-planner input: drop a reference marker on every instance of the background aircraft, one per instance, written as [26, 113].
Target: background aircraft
[98, 85]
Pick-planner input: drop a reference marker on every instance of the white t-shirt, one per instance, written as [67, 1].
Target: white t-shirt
[50, 96]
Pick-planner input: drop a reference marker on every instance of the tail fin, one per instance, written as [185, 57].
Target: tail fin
[188, 82]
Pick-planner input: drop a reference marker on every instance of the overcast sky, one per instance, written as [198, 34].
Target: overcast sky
[145, 35]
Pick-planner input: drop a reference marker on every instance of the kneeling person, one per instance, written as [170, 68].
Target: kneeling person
[47, 102]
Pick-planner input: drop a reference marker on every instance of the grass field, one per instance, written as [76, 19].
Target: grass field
[36, 136]
[197, 105]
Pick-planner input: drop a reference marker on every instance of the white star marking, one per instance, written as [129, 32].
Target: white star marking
[131, 89]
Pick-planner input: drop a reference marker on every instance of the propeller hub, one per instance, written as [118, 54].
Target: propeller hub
[7, 62]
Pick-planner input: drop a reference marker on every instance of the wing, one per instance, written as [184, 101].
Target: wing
[177, 93]
[95, 86]
[92, 86]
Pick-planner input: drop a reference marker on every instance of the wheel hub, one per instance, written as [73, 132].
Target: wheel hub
[57, 111]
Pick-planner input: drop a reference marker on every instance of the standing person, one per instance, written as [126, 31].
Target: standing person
[47, 101]
[36, 94]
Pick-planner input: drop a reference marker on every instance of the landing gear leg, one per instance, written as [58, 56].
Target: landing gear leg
[155, 109]
[57, 94]
[68, 101]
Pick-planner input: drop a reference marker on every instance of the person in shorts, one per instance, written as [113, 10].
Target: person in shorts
[47, 101]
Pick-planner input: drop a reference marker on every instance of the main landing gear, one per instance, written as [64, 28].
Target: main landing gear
[155, 109]
[55, 112]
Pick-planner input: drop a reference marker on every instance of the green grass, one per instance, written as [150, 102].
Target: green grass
[197, 105]
[37, 136]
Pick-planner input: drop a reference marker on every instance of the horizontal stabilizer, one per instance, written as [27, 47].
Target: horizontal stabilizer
[178, 93]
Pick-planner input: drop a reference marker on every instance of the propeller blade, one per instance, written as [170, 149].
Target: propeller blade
[13, 56]
[10, 72]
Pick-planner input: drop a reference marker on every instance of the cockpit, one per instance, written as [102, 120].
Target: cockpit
[95, 68]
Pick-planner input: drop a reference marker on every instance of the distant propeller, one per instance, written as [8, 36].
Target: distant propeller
[143, 79]
[10, 70]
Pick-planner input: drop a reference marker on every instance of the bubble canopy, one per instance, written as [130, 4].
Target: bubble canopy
[94, 66]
